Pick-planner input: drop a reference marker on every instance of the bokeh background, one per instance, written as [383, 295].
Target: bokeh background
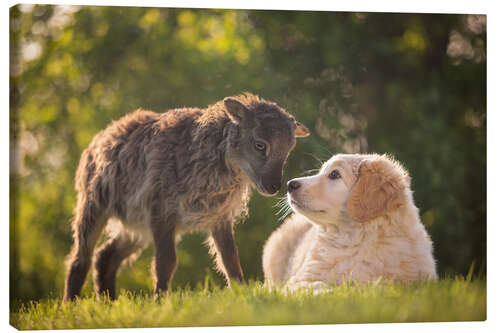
[413, 85]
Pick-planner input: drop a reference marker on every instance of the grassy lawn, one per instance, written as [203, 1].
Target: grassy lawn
[456, 299]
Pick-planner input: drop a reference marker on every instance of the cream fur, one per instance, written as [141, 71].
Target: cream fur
[331, 237]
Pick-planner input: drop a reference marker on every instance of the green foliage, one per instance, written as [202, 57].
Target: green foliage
[413, 85]
[252, 304]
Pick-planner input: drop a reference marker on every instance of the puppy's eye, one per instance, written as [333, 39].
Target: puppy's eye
[335, 174]
[260, 146]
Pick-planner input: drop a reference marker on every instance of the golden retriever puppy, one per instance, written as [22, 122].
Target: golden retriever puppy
[355, 220]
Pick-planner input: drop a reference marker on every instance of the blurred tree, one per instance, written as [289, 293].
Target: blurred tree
[413, 85]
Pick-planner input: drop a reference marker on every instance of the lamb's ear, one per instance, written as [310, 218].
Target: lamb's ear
[380, 188]
[238, 112]
[300, 130]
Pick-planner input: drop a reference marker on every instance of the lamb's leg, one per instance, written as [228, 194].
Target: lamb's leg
[109, 258]
[165, 260]
[222, 244]
[87, 225]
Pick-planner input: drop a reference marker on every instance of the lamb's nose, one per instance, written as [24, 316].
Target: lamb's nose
[275, 187]
[293, 185]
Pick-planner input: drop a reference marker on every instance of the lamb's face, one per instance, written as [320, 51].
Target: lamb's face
[321, 198]
[264, 151]
[266, 138]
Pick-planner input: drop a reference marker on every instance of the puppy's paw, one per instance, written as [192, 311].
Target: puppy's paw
[320, 287]
[317, 287]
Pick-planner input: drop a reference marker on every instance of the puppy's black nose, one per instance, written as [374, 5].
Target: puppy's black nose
[293, 185]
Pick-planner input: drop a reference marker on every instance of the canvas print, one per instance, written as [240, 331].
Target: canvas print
[212, 167]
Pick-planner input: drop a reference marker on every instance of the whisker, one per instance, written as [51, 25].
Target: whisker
[316, 158]
[284, 209]
[285, 214]
[280, 201]
[283, 204]
[310, 171]
[325, 149]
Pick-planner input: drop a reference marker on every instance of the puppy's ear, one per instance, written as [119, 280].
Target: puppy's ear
[238, 112]
[300, 130]
[380, 188]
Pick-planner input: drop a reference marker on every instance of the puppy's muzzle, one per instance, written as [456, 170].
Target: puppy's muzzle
[293, 185]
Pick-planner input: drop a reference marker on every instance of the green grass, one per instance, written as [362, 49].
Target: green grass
[456, 299]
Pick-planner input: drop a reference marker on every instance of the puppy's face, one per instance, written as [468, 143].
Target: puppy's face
[359, 187]
[322, 197]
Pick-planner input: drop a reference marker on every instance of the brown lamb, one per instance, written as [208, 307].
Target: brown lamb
[157, 176]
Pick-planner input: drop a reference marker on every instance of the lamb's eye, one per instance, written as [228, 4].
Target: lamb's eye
[260, 146]
[335, 174]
